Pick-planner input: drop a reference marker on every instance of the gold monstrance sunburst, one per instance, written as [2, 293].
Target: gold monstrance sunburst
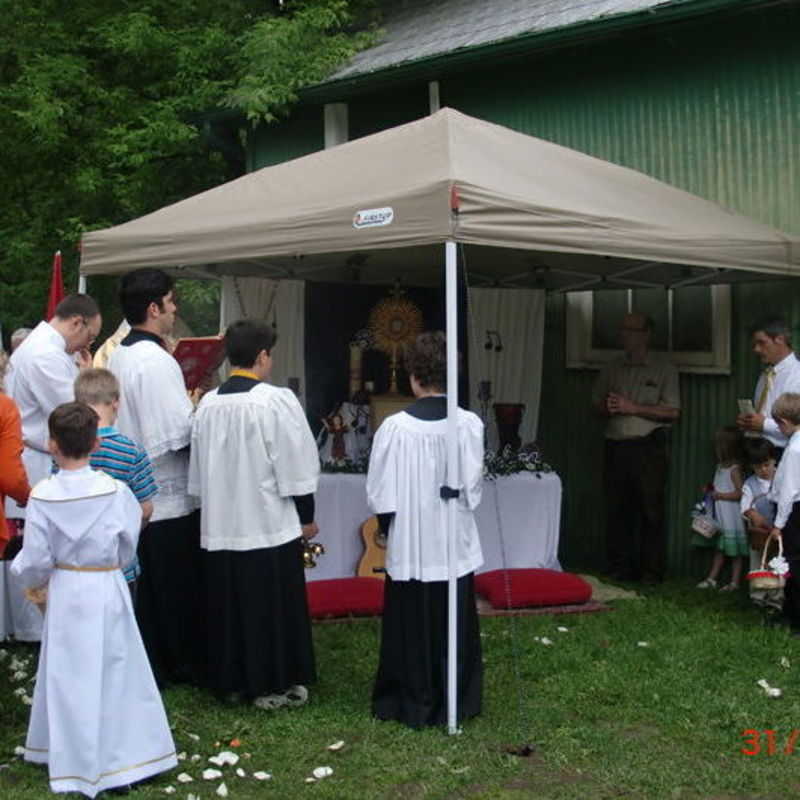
[394, 322]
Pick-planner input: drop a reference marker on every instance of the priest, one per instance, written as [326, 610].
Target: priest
[407, 470]
[255, 467]
[156, 412]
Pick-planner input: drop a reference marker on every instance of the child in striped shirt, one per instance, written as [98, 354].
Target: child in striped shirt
[118, 456]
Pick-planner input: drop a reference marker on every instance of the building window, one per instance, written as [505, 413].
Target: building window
[692, 325]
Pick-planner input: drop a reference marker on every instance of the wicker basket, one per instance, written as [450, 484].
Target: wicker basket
[764, 579]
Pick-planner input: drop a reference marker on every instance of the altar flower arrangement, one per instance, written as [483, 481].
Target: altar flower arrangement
[510, 461]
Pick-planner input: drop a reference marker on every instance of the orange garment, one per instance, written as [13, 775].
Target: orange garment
[13, 480]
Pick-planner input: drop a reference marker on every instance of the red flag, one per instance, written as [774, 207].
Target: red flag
[56, 287]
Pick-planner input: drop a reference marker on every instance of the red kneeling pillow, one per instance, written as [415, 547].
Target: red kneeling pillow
[340, 597]
[532, 587]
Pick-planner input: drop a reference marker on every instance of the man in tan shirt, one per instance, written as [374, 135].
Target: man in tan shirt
[639, 395]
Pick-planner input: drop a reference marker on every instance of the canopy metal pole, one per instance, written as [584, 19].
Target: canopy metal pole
[81, 284]
[451, 295]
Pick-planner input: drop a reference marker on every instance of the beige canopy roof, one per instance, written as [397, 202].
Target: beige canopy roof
[563, 219]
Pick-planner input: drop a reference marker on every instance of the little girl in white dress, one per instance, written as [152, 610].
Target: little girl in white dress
[732, 539]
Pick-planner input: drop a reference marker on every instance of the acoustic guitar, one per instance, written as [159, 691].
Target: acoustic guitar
[373, 562]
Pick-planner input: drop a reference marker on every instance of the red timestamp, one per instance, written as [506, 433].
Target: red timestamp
[768, 742]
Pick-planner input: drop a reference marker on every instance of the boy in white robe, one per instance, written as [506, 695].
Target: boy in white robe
[97, 719]
[255, 467]
[407, 470]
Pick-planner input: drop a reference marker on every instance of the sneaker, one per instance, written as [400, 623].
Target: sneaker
[730, 587]
[270, 702]
[708, 583]
[296, 695]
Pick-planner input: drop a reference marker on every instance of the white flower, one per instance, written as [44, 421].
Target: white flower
[240, 772]
[643, 644]
[225, 757]
[211, 774]
[562, 629]
[262, 776]
[19, 751]
[322, 772]
[185, 777]
[336, 745]
[169, 790]
[222, 790]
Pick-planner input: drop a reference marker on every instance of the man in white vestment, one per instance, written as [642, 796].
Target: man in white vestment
[40, 376]
[97, 719]
[407, 471]
[254, 464]
[156, 412]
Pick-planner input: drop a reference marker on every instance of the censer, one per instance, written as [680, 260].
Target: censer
[312, 551]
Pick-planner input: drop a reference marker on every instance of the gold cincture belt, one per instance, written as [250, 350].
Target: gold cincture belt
[73, 568]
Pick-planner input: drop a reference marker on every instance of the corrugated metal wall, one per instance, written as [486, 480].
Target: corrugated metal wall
[712, 108]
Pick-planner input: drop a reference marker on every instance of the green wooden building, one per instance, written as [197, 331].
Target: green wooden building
[702, 94]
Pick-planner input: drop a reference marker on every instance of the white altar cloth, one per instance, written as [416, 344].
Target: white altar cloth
[524, 508]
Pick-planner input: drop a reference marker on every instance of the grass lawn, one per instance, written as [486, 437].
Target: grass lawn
[608, 718]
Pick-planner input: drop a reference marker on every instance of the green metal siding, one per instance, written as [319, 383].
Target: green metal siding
[302, 133]
[714, 111]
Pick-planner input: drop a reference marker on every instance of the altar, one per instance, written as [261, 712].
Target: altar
[518, 522]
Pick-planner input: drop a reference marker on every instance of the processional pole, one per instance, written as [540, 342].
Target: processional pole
[451, 297]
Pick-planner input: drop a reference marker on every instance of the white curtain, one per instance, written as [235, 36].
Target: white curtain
[281, 302]
[515, 372]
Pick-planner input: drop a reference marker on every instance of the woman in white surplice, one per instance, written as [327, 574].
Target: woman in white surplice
[407, 468]
[97, 719]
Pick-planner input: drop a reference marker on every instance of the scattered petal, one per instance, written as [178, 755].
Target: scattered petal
[196, 757]
[441, 760]
[216, 744]
[191, 796]
[20, 691]
[536, 639]
[236, 743]
[225, 757]
[247, 755]
[643, 644]
[562, 629]
[19, 751]
[544, 640]
[770, 691]
[185, 777]
[194, 737]
[785, 662]
[27, 700]
[19, 675]
[262, 776]
[211, 774]
[182, 756]
[322, 772]
[311, 780]
[169, 790]
[240, 772]
[222, 790]
[336, 745]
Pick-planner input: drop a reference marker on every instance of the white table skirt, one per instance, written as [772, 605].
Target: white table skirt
[518, 521]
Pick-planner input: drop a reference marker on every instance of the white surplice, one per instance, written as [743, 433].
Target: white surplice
[156, 412]
[407, 468]
[251, 452]
[41, 375]
[97, 719]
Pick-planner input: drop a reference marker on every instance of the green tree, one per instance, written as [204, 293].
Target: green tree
[100, 112]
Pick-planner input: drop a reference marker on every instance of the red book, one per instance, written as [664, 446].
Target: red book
[198, 356]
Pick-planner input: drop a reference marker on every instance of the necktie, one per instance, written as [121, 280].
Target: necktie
[769, 380]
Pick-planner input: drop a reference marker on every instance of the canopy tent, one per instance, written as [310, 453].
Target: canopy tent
[528, 212]
[378, 208]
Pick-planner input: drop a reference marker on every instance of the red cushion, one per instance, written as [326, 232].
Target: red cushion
[532, 587]
[340, 597]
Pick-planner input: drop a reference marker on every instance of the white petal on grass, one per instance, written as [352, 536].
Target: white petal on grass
[196, 757]
[194, 737]
[222, 790]
[544, 640]
[643, 644]
[336, 745]
[262, 776]
[770, 691]
[182, 756]
[311, 780]
[322, 772]
[20, 691]
[211, 774]
[169, 790]
[240, 772]
[785, 662]
[19, 675]
[191, 796]
[27, 700]
[184, 777]
[562, 629]
[225, 757]
[19, 751]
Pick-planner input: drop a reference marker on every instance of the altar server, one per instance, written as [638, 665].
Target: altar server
[407, 469]
[41, 374]
[255, 466]
[97, 719]
[156, 413]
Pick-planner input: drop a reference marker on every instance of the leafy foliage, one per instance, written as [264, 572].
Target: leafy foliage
[100, 104]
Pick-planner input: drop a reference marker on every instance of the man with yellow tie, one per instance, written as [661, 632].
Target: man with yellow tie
[772, 343]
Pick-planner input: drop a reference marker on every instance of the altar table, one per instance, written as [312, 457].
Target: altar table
[518, 522]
